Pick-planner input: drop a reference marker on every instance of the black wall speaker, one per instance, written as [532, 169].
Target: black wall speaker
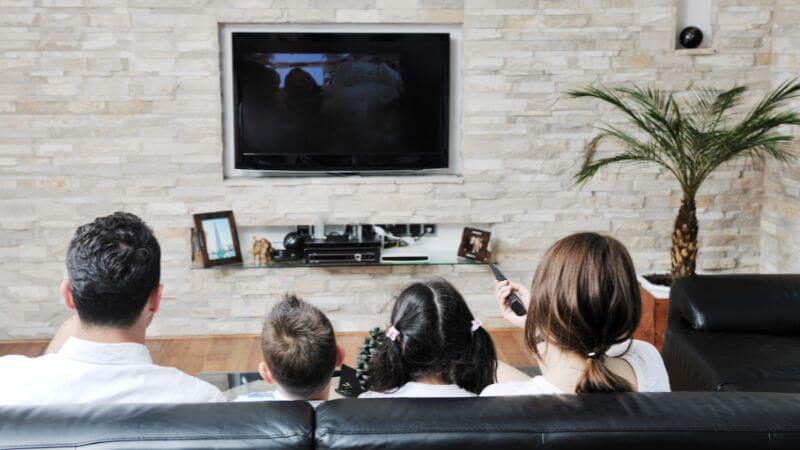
[691, 37]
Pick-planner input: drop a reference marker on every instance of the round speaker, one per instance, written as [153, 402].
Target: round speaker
[691, 37]
[294, 241]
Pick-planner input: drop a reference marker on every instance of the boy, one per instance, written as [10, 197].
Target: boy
[300, 353]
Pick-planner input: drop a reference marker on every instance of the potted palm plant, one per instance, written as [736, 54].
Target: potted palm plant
[690, 139]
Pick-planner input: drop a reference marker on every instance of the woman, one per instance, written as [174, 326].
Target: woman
[584, 308]
[435, 347]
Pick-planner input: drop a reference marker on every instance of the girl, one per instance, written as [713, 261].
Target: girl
[581, 317]
[435, 347]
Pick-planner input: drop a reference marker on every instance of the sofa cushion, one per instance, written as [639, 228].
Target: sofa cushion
[729, 420]
[230, 426]
[655, 421]
[740, 303]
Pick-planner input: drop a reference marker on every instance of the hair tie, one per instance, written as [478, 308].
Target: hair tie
[392, 333]
[595, 355]
[476, 323]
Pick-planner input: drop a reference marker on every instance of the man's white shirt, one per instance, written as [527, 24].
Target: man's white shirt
[91, 372]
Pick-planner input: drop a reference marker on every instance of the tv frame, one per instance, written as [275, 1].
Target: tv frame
[454, 111]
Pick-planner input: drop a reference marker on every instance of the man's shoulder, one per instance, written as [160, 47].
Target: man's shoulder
[189, 385]
[17, 363]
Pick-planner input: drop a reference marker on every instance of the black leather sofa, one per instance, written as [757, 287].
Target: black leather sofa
[734, 333]
[731, 420]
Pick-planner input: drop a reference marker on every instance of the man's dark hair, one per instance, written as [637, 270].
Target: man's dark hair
[113, 265]
[299, 347]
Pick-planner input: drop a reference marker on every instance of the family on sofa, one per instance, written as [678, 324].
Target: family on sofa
[583, 308]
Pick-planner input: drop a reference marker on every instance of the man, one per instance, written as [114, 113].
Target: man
[113, 271]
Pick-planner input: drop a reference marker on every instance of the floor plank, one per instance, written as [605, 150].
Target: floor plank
[195, 354]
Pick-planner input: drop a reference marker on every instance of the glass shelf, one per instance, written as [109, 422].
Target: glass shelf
[433, 260]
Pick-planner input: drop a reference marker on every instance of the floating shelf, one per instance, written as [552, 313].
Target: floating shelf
[433, 260]
[695, 51]
[441, 249]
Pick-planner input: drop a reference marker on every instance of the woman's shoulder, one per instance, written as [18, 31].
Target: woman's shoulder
[642, 351]
[646, 362]
[535, 386]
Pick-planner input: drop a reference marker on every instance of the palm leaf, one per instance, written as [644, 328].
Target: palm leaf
[691, 144]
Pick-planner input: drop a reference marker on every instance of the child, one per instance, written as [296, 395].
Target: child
[300, 353]
[435, 347]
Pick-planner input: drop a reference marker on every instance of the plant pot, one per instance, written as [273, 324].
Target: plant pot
[655, 302]
[649, 283]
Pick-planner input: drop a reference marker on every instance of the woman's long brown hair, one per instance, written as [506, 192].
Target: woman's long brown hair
[585, 299]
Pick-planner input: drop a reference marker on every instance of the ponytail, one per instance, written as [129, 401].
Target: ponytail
[478, 366]
[386, 370]
[598, 378]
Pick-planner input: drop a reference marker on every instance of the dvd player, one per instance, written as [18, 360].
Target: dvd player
[337, 252]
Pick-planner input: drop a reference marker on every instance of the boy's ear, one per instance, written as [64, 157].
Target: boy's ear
[66, 295]
[266, 375]
[339, 355]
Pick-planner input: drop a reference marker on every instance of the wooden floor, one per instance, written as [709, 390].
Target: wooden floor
[243, 352]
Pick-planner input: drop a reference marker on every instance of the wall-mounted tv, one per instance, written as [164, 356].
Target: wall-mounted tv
[340, 102]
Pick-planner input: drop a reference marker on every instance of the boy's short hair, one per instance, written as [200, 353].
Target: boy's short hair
[299, 347]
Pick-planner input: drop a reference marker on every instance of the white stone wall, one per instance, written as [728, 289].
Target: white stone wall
[115, 105]
[780, 222]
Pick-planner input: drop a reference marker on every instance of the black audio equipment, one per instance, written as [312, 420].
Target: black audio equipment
[335, 252]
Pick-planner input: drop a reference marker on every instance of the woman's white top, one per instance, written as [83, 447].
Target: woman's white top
[419, 390]
[644, 359]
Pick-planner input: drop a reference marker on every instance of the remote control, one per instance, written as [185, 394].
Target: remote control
[512, 299]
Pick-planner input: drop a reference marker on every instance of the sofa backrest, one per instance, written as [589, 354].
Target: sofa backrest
[738, 303]
[594, 421]
[230, 426]
[730, 420]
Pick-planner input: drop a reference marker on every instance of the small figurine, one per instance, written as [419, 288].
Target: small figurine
[260, 249]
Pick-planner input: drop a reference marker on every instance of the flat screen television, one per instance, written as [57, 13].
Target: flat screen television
[341, 102]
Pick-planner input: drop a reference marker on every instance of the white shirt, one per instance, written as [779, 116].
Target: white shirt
[418, 390]
[91, 372]
[644, 359]
[270, 396]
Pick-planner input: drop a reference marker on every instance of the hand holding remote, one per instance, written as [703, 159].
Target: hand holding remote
[508, 295]
[502, 290]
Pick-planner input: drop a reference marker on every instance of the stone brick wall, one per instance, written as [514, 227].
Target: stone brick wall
[115, 105]
[780, 221]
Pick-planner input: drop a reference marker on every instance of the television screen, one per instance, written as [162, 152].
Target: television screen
[341, 102]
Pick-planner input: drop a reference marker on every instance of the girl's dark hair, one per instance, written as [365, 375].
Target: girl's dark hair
[435, 339]
[585, 299]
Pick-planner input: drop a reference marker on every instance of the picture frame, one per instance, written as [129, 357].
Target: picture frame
[219, 239]
[475, 244]
[197, 248]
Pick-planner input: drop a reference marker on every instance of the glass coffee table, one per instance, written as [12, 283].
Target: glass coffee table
[234, 384]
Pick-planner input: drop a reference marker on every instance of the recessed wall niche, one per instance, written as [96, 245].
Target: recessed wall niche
[694, 13]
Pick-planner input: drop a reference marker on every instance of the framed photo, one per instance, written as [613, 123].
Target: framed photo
[219, 240]
[475, 244]
[197, 248]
